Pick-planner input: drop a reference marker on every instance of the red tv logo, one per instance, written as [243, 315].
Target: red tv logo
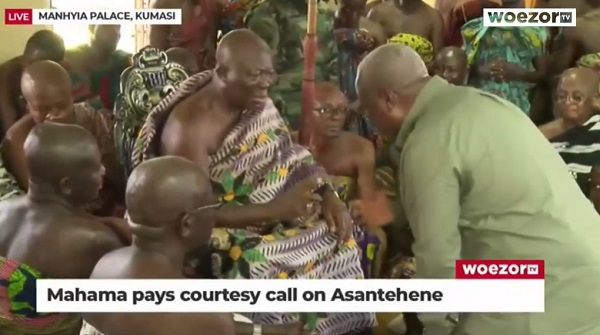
[500, 269]
[18, 16]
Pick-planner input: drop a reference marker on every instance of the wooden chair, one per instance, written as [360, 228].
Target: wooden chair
[143, 86]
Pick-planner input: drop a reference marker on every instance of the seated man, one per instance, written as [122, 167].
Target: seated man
[451, 64]
[171, 210]
[185, 58]
[224, 121]
[47, 90]
[45, 233]
[96, 67]
[43, 45]
[350, 160]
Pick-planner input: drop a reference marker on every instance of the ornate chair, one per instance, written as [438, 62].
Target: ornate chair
[143, 86]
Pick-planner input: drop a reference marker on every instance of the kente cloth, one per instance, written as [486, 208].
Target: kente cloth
[418, 43]
[372, 243]
[461, 13]
[256, 162]
[520, 45]
[99, 87]
[18, 314]
[580, 149]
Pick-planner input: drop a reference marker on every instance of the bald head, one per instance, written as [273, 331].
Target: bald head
[451, 64]
[391, 66]
[328, 92]
[452, 53]
[240, 44]
[185, 58]
[160, 190]
[56, 151]
[585, 77]
[44, 75]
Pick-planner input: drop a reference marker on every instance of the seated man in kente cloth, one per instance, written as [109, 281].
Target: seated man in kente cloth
[45, 233]
[350, 161]
[46, 88]
[224, 121]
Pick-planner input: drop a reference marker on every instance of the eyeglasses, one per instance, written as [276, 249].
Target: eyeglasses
[205, 207]
[331, 112]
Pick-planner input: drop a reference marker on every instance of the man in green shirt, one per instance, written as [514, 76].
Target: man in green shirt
[477, 180]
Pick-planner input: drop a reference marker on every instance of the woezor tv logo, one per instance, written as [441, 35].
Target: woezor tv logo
[529, 17]
[500, 269]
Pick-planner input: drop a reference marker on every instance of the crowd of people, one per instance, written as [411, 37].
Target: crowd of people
[434, 138]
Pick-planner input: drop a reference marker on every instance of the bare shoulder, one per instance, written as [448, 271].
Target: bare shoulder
[19, 131]
[94, 237]
[357, 144]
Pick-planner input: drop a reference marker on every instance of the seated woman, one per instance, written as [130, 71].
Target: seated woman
[96, 68]
[350, 160]
[224, 121]
[506, 61]
[576, 132]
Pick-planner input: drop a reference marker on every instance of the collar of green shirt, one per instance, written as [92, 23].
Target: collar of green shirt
[428, 93]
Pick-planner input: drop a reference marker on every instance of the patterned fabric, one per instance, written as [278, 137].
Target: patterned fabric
[519, 45]
[257, 161]
[353, 45]
[418, 43]
[9, 188]
[101, 87]
[372, 243]
[461, 13]
[282, 24]
[18, 302]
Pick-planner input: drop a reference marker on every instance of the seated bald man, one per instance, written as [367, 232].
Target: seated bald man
[45, 233]
[171, 209]
[224, 121]
[479, 181]
[46, 88]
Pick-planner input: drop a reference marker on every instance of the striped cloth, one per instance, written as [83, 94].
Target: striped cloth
[580, 149]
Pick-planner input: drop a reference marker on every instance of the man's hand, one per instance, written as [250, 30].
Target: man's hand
[296, 202]
[373, 212]
[337, 216]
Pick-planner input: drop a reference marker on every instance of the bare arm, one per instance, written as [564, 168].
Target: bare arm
[554, 128]
[366, 171]
[159, 33]
[539, 74]
[13, 154]
[437, 32]
[8, 111]
[568, 46]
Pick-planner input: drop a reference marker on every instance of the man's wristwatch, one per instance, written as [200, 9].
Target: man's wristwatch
[257, 330]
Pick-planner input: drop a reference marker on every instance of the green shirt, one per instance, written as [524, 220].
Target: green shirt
[477, 180]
